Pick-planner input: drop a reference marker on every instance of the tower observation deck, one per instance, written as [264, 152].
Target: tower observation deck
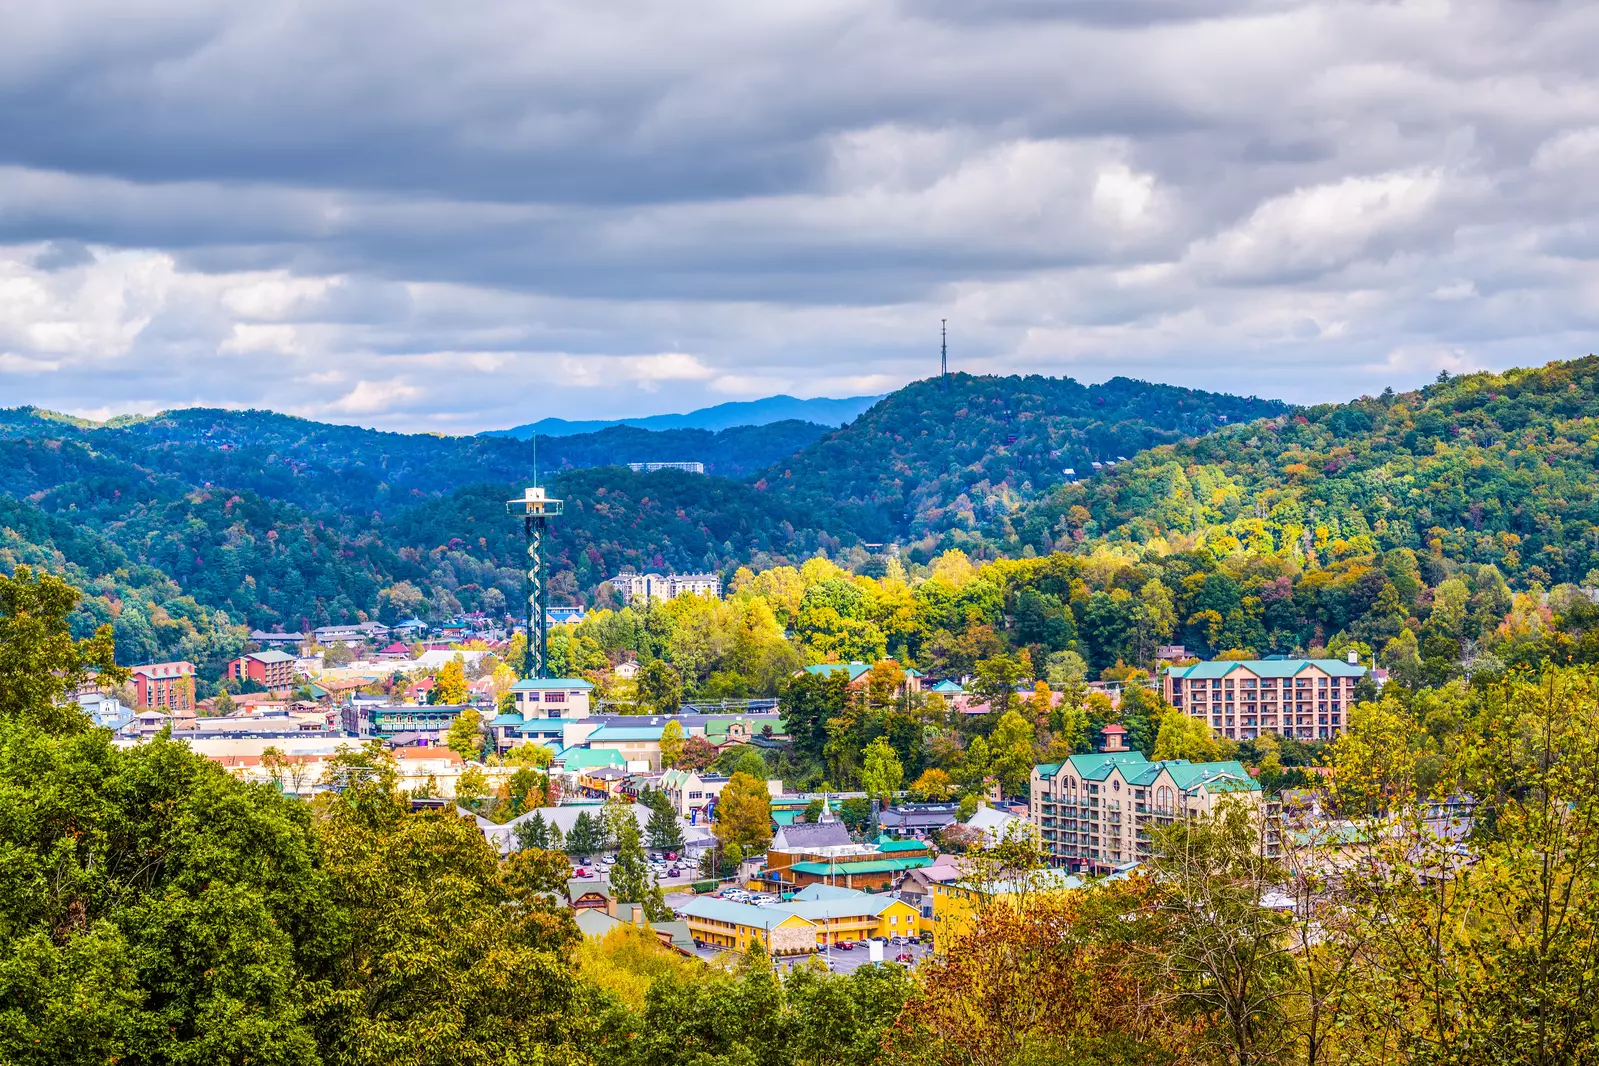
[535, 509]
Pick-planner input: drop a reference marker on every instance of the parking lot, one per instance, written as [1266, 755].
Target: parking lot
[841, 961]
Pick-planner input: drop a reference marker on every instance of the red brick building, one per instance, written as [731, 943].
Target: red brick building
[164, 686]
[274, 669]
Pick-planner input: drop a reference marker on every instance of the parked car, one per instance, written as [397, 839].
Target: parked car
[902, 957]
[845, 945]
[676, 871]
[671, 856]
[580, 872]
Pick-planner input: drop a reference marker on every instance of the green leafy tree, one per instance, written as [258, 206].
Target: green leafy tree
[40, 662]
[465, 735]
[882, 775]
[1013, 754]
[472, 785]
[996, 683]
[660, 688]
[671, 744]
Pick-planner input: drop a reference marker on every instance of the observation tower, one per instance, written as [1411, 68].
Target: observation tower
[535, 510]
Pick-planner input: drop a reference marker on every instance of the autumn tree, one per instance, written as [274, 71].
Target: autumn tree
[449, 684]
[744, 813]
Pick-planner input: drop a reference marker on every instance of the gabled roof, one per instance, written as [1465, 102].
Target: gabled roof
[271, 655]
[1227, 776]
[807, 835]
[745, 914]
[1267, 668]
[888, 845]
[948, 688]
[1097, 767]
[820, 891]
[863, 866]
[853, 670]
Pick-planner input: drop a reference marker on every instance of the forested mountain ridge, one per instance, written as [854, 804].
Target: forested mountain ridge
[963, 453]
[1489, 468]
[320, 466]
[737, 413]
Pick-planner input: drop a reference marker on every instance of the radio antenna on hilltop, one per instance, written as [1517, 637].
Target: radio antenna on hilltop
[943, 350]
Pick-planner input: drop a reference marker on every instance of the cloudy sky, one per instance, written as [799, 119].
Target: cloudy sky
[461, 216]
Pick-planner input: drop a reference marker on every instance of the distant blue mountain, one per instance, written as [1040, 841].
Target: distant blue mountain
[822, 411]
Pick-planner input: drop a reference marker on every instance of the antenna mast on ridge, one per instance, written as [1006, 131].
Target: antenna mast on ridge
[943, 350]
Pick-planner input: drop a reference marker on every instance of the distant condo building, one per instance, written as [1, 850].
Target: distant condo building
[637, 588]
[1308, 699]
[687, 468]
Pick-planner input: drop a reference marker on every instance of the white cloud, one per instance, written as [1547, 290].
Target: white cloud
[374, 397]
[616, 210]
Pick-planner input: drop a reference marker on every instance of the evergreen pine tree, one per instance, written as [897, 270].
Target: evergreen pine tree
[630, 877]
[587, 836]
[664, 832]
[533, 833]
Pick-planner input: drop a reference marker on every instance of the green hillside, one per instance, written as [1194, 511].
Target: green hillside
[325, 467]
[1483, 468]
[965, 453]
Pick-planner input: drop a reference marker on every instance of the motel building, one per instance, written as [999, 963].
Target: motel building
[816, 918]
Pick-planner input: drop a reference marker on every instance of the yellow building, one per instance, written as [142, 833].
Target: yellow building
[802, 925]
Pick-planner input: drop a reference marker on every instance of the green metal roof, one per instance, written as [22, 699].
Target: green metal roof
[530, 684]
[746, 914]
[587, 759]
[864, 866]
[1226, 776]
[854, 670]
[888, 845]
[1267, 668]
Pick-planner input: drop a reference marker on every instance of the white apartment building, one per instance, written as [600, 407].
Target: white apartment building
[639, 588]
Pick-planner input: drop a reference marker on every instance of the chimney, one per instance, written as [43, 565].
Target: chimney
[1354, 658]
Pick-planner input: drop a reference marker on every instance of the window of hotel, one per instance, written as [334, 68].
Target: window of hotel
[555, 697]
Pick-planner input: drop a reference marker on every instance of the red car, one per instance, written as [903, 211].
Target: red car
[844, 945]
[903, 958]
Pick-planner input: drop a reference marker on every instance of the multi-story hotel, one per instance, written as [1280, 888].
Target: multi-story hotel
[1095, 812]
[164, 686]
[635, 588]
[1308, 699]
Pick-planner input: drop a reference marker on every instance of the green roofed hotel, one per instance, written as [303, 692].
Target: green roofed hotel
[1096, 812]
[1308, 699]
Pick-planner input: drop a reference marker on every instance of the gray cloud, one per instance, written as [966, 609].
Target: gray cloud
[429, 217]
